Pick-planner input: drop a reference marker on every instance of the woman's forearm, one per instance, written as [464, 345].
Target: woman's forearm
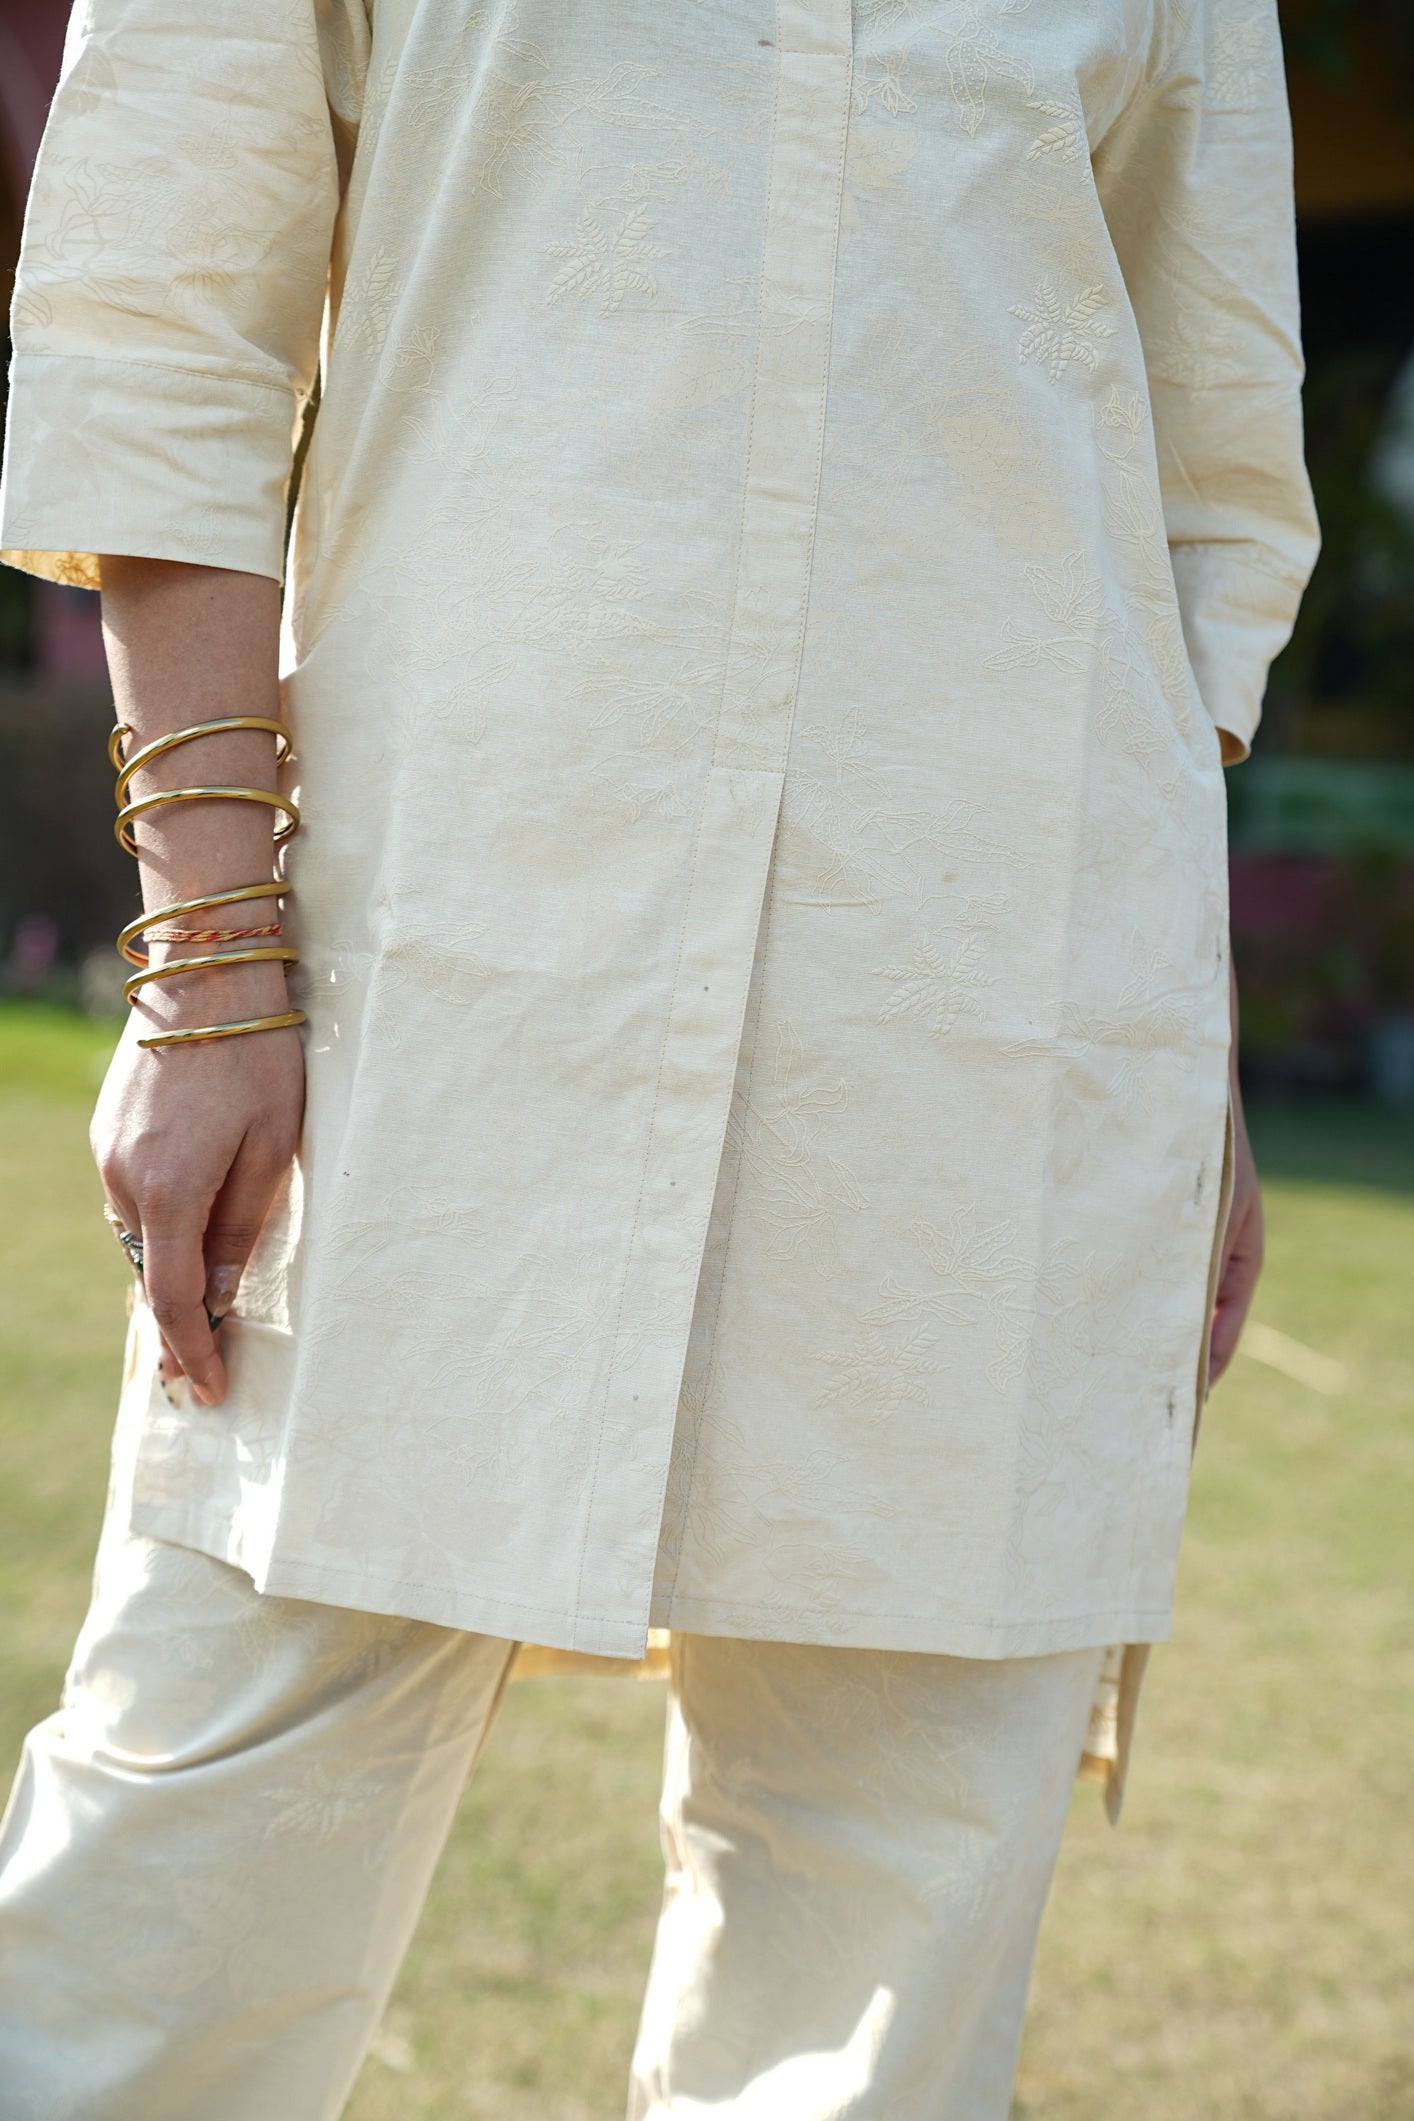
[187, 645]
[194, 1140]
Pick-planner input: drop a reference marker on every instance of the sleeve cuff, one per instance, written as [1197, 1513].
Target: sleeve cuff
[157, 463]
[1237, 616]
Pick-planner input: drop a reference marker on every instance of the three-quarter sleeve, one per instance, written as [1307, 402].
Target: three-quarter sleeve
[1196, 183]
[171, 283]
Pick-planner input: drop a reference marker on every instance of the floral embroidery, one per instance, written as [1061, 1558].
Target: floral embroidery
[1244, 54]
[1065, 138]
[610, 257]
[935, 988]
[974, 54]
[1063, 328]
[884, 81]
[777, 1133]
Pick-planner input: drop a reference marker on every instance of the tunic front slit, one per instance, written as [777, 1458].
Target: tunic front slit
[741, 803]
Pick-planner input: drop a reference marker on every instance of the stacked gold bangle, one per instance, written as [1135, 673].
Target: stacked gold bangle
[129, 812]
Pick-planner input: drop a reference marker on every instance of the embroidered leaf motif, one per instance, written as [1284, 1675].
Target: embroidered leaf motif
[936, 989]
[1060, 329]
[1243, 55]
[610, 263]
[369, 296]
[972, 58]
[1067, 138]
[884, 81]
[967, 77]
[1072, 595]
[878, 1374]
[878, 156]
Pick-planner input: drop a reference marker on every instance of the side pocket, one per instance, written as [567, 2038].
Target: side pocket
[1214, 1265]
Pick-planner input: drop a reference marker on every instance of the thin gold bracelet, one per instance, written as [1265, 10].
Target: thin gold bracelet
[276, 888]
[280, 951]
[131, 811]
[255, 1023]
[126, 768]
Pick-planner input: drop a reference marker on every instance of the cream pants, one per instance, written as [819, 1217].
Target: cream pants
[218, 1847]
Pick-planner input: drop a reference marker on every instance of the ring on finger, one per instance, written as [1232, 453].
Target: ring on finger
[130, 1240]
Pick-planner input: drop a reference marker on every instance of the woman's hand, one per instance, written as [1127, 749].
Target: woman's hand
[1240, 1262]
[192, 1144]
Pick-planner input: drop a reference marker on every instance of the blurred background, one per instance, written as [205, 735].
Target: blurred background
[1242, 1950]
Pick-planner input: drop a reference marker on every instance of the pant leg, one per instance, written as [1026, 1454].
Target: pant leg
[859, 1846]
[217, 1849]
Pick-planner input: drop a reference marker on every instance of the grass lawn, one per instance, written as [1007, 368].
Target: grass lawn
[1242, 1949]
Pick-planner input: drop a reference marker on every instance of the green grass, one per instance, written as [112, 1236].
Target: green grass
[1241, 1949]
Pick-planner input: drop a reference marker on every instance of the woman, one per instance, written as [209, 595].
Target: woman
[801, 506]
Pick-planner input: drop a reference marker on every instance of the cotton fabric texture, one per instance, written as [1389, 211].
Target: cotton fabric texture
[800, 501]
[218, 1846]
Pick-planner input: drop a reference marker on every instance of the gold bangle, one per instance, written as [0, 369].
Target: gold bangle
[145, 803]
[282, 951]
[277, 888]
[255, 1023]
[126, 768]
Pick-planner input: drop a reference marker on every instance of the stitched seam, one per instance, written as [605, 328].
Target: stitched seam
[727, 662]
[763, 929]
[638, 1207]
[1122, 1615]
[450, 1590]
[706, 1223]
[188, 1516]
[763, 934]
[755, 392]
[730, 1210]
[697, 837]
[167, 368]
[820, 413]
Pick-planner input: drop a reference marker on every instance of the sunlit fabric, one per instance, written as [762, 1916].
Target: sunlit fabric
[218, 1846]
[801, 501]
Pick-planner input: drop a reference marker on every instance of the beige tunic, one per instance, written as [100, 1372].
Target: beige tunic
[796, 495]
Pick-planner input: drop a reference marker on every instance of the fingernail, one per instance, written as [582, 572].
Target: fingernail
[221, 1288]
[171, 1384]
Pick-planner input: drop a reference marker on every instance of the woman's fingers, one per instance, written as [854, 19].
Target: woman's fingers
[237, 1217]
[1234, 1301]
[1241, 1264]
[120, 1211]
[191, 1146]
[174, 1277]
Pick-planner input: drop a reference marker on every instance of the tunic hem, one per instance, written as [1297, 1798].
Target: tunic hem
[445, 1605]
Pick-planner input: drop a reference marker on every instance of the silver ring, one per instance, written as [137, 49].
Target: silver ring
[130, 1241]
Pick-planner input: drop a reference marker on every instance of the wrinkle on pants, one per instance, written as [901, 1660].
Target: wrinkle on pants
[217, 1850]
[859, 1846]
